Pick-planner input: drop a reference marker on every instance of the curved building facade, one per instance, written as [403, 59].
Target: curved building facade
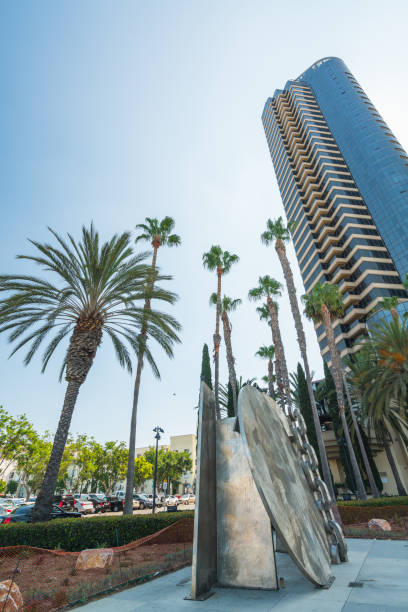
[342, 177]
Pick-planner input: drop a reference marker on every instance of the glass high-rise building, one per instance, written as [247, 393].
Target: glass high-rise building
[343, 178]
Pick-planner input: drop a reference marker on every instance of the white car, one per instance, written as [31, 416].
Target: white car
[172, 500]
[85, 506]
[188, 498]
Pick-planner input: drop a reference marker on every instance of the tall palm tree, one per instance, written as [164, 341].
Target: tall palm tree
[268, 287]
[158, 233]
[379, 374]
[264, 315]
[268, 352]
[89, 288]
[228, 305]
[278, 233]
[220, 261]
[323, 305]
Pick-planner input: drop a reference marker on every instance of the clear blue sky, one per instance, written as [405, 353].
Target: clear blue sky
[113, 111]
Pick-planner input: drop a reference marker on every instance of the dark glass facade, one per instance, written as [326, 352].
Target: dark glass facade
[341, 174]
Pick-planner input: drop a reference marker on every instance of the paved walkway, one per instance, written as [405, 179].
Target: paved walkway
[380, 565]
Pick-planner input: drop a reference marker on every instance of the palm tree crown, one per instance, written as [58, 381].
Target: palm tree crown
[97, 289]
[158, 232]
[276, 230]
[266, 352]
[323, 296]
[217, 259]
[267, 287]
[227, 304]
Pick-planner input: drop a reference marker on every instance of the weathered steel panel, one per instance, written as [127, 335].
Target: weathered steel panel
[282, 485]
[245, 545]
[204, 571]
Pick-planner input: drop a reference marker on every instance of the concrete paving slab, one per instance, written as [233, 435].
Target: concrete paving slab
[384, 589]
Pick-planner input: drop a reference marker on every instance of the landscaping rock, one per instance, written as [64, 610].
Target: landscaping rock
[379, 524]
[11, 599]
[94, 558]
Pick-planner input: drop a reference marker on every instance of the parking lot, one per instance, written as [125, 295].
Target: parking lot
[145, 511]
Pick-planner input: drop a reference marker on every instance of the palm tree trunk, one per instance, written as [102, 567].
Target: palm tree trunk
[270, 378]
[280, 351]
[130, 476]
[400, 487]
[45, 497]
[217, 342]
[230, 358]
[338, 382]
[301, 338]
[367, 466]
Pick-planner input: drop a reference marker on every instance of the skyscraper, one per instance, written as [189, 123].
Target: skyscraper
[343, 179]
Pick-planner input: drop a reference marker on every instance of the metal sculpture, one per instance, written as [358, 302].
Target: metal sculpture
[257, 473]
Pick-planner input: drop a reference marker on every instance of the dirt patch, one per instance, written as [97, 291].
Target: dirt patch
[399, 530]
[48, 582]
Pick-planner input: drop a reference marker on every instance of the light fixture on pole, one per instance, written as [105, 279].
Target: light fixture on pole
[158, 430]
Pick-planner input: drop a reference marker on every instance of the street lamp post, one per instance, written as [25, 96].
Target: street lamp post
[158, 431]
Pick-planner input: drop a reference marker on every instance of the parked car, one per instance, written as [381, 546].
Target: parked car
[158, 501]
[142, 500]
[23, 514]
[115, 504]
[85, 506]
[100, 503]
[66, 502]
[188, 498]
[172, 500]
[121, 495]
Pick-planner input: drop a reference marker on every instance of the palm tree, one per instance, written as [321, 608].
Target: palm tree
[379, 375]
[220, 261]
[228, 305]
[268, 287]
[278, 233]
[268, 352]
[264, 315]
[389, 303]
[97, 288]
[158, 233]
[323, 305]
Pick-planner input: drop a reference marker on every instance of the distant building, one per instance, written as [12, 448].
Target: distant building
[182, 443]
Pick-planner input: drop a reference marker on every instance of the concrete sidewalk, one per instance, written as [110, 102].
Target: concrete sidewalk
[381, 566]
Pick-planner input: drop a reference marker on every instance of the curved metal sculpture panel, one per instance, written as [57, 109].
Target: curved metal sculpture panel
[277, 470]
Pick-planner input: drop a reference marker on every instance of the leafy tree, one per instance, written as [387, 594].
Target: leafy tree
[279, 234]
[267, 288]
[220, 261]
[143, 470]
[389, 303]
[306, 409]
[231, 401]
[97, 289]
[324, 304]
[206, 367]
[33, 462]
[14, 436]
[158, 233]
[83, 461]
[228, 305]
[9, 487]
[268, 352]
[171, 465]
[111, 464]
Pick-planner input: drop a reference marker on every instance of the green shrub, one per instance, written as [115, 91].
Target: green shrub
[359, 514]
[78, 534]
[378, 502]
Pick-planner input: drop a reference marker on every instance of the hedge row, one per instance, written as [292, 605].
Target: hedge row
[358, 514]
[378, 502]
[95, 532]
